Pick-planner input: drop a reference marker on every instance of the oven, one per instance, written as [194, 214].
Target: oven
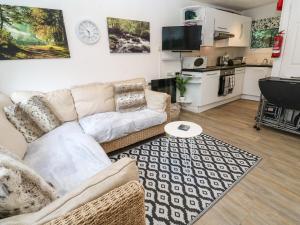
[227, 81]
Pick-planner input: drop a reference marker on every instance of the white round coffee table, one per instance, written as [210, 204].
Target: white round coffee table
[172, 129]
[194, 130]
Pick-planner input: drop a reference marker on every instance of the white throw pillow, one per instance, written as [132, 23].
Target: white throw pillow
[21, 189]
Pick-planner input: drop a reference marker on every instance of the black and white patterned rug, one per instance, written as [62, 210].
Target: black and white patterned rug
[180, 187]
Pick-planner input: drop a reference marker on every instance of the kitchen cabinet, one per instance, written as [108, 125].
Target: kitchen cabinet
[232, 23]
[252, 75]
[241, 28]
[208, 30]
[212, 20]
[239, 81]
[210, 87]
[222, 20]
[203, 88]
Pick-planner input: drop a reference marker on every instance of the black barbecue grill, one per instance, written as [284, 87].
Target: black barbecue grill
[280, 104]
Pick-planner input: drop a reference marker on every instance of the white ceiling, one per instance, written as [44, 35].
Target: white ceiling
[238, 4]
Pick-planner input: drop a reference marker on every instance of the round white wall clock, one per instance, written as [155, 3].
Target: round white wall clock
[88, 32]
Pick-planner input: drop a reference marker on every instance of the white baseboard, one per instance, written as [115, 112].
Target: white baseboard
[251, 97]
[198, 109]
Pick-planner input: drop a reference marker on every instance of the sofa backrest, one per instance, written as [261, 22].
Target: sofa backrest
[79, 101]
[131, 81]
[62, 104]
[23, 96]
[60, 101]
[93, 98]
[10, 137]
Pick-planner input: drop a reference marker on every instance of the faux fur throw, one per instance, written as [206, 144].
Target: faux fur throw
[21, 189]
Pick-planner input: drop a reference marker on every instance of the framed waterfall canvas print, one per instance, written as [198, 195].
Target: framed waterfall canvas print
[128, 36]
[32, 33]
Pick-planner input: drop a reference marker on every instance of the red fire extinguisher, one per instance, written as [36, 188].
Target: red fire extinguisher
[279, 5]
[278, 41]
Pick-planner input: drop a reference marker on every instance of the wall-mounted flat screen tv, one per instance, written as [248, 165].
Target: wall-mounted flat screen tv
[181, 38]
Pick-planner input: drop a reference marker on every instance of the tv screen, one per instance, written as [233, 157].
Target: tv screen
[181, 38]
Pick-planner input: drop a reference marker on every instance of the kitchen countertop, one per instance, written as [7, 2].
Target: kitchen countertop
[214, 68]
[259, 65]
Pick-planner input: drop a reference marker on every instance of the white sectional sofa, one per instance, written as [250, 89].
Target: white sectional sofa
[71, 158]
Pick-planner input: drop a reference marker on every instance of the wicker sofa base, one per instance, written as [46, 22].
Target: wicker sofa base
[133, 138]
[122, 206]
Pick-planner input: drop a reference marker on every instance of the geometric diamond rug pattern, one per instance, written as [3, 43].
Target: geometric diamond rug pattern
[183, 178]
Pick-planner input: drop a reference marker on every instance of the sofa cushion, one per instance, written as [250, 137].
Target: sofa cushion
[109, 126]
[24, 96]
[106, 126]
[10, 137]
[112, 177]
[145, 118]
[21, 189]
[66, 157]
[156, 101]
[129, 97]
[22, 122]
[38, 110]
[93, 98]
[62, 104]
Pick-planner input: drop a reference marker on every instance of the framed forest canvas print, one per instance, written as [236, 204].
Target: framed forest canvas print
[32, 33]
[128, 36]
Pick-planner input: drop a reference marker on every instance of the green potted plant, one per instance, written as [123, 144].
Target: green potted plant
[181, 82]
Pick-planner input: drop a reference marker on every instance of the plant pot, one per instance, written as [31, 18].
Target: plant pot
[181, 99]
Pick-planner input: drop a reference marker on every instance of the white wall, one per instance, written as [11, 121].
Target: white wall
[262, 12]
[93, 63]
[255, 56]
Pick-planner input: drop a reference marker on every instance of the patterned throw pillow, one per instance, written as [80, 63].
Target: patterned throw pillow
[21, 189]
[38, 110]
[23, 123]
[130, 97]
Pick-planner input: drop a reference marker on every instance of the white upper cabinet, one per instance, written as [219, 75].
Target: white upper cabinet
[241, 28]
[222, 20]
[217, 20]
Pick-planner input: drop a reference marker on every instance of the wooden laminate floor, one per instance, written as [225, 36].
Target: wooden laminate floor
[270, 193]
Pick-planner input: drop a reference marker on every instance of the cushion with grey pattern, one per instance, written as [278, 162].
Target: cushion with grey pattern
[23, 123]
[21, 189]
[37, 109]
[130, 97]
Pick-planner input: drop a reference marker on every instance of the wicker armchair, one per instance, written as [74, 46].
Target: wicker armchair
[121, 206]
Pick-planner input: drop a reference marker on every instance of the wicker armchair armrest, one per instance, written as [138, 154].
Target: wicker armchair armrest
[122, 206]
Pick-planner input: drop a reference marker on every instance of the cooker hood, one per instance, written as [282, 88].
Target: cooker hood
[221, 35]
